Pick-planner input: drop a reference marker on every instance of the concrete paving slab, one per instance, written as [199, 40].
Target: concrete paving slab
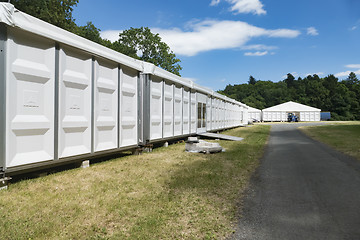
[220, 136]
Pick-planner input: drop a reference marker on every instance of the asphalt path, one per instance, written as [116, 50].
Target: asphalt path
[303, 189]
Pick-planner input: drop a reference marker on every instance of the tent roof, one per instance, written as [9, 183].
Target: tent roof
[251, 109]
[291, 107]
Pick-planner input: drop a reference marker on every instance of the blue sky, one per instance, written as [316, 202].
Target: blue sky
[223, 42]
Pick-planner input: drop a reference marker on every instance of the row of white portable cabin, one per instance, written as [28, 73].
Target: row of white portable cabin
[279, 113]
[65, 98]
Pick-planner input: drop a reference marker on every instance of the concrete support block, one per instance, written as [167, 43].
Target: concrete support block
[85, 164]
[148, 148]
[202, 147]
[166, 144]
[137, 151]
[4, 183]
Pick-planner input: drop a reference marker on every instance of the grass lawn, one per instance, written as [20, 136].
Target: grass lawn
[166, 194]
[343, 136]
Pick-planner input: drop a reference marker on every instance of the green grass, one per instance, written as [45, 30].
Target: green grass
[343, 136]
[166, 194]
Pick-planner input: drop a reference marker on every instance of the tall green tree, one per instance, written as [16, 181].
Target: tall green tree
[252, 80]
[290, 79]
[56, 12]
[141, 43]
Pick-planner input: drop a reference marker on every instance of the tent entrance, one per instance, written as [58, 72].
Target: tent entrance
[293, 116]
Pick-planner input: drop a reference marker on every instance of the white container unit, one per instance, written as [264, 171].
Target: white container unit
[29, 113]
[254, 114]
[178, 110]
[186, 111]
[208, 113]
[193, 112]
[128, 107]
[75, 69]
[168, 105]
[156, 108]
[106, 105]
[168, 122]
[213, 113]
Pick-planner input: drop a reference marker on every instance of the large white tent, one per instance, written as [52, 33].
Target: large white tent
[254, 114]
[279, 113]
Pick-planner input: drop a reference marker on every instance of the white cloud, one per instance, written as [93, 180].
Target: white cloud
[214, 2]
[317, 73]
[243, 6]
[346, 73]
[190, 79]
[211, 35]
[112, 35]
[256, 54]
[258, 47]
[353, 66]
[247, 6]
[312, 31]
[355, 26]
[208, 35]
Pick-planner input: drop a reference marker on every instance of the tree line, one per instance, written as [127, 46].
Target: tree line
[341, 98]
[139, 43]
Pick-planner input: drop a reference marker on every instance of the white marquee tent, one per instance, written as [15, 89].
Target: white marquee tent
[254, 114]
[280, 112]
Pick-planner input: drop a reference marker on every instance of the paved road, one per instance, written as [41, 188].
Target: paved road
[302, 190]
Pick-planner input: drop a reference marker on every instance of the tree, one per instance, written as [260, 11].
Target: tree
[89, 31]
[252, 80]
[56, 12]
[290, 79]
[352, 78]
[142, 44]
[351, 81]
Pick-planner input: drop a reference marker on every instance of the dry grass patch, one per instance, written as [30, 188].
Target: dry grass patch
[166, 194]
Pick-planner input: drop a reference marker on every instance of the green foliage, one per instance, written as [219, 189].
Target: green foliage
[89, 31]
[342, 98]
[149, 47]
[131, 42]
[58, 13]
[252, 80]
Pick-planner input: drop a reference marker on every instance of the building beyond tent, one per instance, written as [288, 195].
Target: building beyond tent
[279, 113]
[254, 114]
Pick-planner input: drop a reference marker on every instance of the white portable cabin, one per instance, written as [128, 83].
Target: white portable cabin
[167, 105]
[64, 98]
[254, 114]
[279, 113]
